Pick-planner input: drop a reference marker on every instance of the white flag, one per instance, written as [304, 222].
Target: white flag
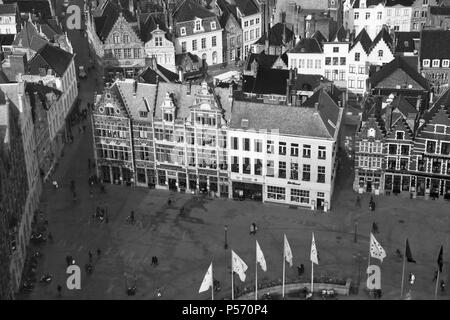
[207, 280]
[314, 251]
[238, 265]
[260, 257]
[287, 251]
[376, 250]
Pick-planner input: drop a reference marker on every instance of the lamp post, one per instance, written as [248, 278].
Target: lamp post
[356, 231]
[226, 244]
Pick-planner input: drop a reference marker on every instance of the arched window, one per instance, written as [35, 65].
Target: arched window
[214, 57]
[126, 38]
[115, 38]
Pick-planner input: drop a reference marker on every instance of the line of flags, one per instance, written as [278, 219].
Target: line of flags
[240, 267]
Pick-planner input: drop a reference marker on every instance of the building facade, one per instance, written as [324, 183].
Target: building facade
[161, 48]
[335, 66]
[9, 19]
[307, 56]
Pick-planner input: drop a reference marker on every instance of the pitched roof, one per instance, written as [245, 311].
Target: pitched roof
[364, 39]
[38, 7]
[382, 35]
[150, 75]
[369, 3]
[435, 44]
[442, 101]
[42, 91]
[307, 45]
[404, 41]
[319, 37]
[51, 56]
[141, 100]
[247, 7]
[439, 10]
[276, 35]
[26, 36]
[403, 106]
[189, 10]
[180, 57]
[50, 28]
[398, 63]
[300, 121]
[150, 22]
[264, 60]
[106, 18]
[405, 3]
[308, 82]
[267, 81]
[341, 34]
[8, 9]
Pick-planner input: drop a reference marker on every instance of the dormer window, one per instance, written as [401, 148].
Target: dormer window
[380, 53]
[426, 62]
[445, 63]
[158, 41]
[399, 135]
[198, 25]
[126, 38]
[436, 63]
[143, 114]
[213, 25]
[183, 31]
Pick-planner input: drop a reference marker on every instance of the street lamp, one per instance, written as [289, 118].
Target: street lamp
[226, 244]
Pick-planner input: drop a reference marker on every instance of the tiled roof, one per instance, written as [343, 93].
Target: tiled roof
[398, 63]
[267, 81]
[38, 7]
[53, 57]
[443, 100]
[382, 35]
[105, 21]
[247, 7]
[319, 37]
[364, 39]
[189, 10]
[341, 35]
[149, 23]
[369, 3]
[50, 28]
[149, 75]
[300, 121]
[276, 35]
[405, 41]
[403, 106]
[26, 36]
[264, 60]
[142, 100]
[405, 3]
[42, 91]
[308, 82]
[8, 9]
[435, 44]
[437, 11]
[307, 45]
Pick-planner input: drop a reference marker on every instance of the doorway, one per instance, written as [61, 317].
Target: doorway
[320, 202]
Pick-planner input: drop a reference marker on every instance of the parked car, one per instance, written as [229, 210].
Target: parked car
[82, 72]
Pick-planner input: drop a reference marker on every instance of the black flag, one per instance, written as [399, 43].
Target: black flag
[408, 253]
[440, 261]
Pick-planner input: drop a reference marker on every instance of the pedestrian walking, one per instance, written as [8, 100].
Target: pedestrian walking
[90, 256]
[442, 285]
[84, 128]
[98, 253]
[301, 270]
[55, 184]
[253, 228]
[412, 278]
[154, 261]
[374, 228]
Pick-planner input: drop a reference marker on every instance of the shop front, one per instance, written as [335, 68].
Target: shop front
[369, 181]
[244, 190]
[397, 183]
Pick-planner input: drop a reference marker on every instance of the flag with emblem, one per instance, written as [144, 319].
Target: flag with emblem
[207, 280]
[314, 251]
[287, 251]
[376, 250]
[260, 257]
[238, 265]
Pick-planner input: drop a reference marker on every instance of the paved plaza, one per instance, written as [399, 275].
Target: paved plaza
[185, 244]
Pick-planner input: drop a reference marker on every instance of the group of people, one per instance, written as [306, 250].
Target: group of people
[101, 214]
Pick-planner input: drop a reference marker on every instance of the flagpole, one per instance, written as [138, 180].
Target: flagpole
[232, 277]
[403, 272]
[368, 260]
[212, 287]
[437, 282]
[284, 264]
[312, 277]
[256, 273]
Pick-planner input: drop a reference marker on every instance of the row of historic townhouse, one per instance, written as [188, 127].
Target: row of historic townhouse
[185, 144]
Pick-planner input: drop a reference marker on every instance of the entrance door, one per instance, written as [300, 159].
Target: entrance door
[320, 202]
[397, 181]
[116, 175]
[173, 184]
[105, 174]
[369, 186]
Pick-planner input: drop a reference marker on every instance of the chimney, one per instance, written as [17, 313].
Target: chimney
[316, 107]
[418, 103]
[266, 20]
[263, 11]
[288, 90]
[189, 88]
[230, 92]
[170, 26]
[18, 63]
[154, 63]
[180, 75]
[283, 19]
[304, 26]
[135, 86]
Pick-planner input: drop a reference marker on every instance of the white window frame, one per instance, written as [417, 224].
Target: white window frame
[426, 63]
[213, 25]
[183, 31]
[445, 63]
[436, 63]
